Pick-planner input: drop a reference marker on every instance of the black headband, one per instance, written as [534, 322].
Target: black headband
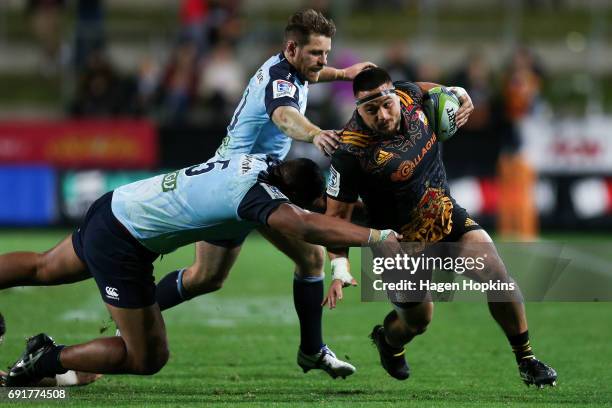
[374, 96]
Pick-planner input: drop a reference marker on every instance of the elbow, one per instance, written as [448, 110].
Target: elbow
[280, 117]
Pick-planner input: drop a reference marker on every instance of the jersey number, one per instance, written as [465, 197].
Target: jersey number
[194, 171]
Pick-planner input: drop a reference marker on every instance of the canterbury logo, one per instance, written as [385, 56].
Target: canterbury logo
[383, 157]
[112, 292]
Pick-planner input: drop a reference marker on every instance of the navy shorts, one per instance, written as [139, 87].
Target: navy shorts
[462, 223]
[121, 266]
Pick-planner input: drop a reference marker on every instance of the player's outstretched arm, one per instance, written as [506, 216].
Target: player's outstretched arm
[329, 74]
[319, 229]
[297, 126]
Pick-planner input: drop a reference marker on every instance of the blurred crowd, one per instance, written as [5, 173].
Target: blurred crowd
[201, 79]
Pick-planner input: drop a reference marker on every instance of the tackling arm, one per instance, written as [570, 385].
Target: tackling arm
[329, 74]
[297, 126]
[322, 230]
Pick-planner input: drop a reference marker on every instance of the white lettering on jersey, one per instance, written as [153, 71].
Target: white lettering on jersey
[282, 88]
[245, 164]
[333, 185]
[274, 192]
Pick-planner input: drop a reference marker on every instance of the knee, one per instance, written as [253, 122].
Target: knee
[495, 270]
[311, 263]
[198, 280]
[152, 361]
[419, 327]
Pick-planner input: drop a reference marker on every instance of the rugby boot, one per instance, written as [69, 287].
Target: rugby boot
[392, 359]
[26, 371]
[535, 372]
[325, 360]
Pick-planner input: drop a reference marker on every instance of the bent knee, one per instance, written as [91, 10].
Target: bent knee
[418, 327]
[152, 362]
[199, 280]
[311, 262]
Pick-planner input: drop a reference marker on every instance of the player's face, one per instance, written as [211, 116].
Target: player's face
[381, 114]
[311, 58]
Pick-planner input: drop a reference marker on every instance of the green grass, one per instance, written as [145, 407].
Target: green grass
[237, 347]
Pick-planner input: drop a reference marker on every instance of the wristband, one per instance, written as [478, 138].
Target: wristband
[340, 269]
[378, 236]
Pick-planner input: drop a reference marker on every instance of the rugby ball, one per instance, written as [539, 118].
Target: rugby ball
[441, 106]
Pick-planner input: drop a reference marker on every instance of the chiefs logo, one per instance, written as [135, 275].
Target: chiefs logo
[404, 171]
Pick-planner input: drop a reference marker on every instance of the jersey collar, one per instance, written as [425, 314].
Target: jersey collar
[292, 69]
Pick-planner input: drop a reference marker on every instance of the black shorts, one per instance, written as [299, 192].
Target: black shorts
[120, 265]
[462, 223]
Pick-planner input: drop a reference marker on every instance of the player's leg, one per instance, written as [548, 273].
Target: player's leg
[307, 286]
[62, 264]
[307, 296]
[57, 266]
[401, 325]
[507, 309]
[212, 265]
[141, 349]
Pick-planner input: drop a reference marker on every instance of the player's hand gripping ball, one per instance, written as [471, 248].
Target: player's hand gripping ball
[441, 106]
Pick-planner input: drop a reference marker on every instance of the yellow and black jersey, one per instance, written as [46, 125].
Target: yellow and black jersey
[401, 178]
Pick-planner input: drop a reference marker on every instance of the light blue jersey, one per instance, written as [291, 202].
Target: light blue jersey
[216, 200]
[251, 129]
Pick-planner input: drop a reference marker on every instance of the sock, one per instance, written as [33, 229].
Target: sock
[390, 320]
[307, 297]
[49, 363]
[170, 291]
[521, 346]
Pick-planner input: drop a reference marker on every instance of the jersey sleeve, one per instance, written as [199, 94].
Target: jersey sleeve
[411, 89]
[259, 202]
[280, 91]
[343, 177]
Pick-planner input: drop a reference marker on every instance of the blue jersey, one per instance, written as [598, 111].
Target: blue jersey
[216, 200]
[251, 129]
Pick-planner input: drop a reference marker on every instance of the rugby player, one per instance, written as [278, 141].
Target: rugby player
[125, 230]
[390, 157]
[268, 118]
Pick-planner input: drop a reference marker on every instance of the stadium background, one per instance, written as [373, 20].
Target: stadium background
[95, 94]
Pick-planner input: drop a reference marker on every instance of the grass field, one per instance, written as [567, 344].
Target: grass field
[237, 347]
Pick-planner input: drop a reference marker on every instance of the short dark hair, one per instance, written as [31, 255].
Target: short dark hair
[301, 180]
[306, 22]
[370, 78]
